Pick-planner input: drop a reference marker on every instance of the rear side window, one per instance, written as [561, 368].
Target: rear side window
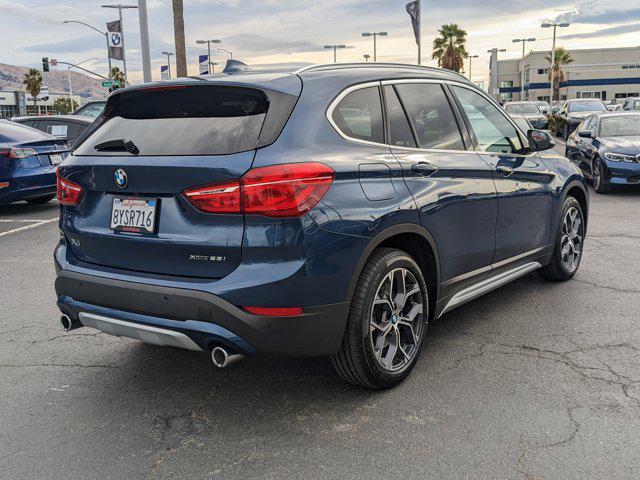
[431, 115]
[359, 115]
[399, 129]
[181, 121]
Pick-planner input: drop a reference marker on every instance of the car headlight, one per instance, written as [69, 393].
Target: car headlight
[619, 157]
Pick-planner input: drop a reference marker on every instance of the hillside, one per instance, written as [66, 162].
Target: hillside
[81, 84]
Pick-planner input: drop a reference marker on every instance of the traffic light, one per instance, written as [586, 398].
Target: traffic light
[45, 64]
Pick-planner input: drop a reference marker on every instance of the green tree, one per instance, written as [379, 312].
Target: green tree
[64, 105]
[562, 58]
[33, 82]
[450, 47]
[117, 75]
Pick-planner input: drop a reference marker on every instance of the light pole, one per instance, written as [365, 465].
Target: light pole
[366, 57]
[493, 80]
[144, 40]
[523, 41]
[208, 42]
[168, 54]
[69, 67]
[553, 54]
[124, 56]
[106, 36]
[374, 35]
[223, 50]
[335, 48]
[471, 57]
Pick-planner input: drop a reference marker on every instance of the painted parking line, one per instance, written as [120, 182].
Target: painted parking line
[23, 220]
[28, 227]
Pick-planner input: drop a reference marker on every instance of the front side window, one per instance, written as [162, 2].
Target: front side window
[359, 115]
[431, 115]
[493, 131]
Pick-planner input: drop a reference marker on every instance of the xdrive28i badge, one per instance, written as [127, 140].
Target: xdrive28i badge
[120, 177]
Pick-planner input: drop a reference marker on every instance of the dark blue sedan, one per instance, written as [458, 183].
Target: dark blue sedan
[606, 146]
[28, 160]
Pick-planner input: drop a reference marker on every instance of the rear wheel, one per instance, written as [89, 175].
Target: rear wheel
[41, 200]
[567, 251]
[387, 322]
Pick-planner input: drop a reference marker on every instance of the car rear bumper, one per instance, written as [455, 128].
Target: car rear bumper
[205, 319]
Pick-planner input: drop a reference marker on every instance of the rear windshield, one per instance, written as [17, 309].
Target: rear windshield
[16, 132]
[522, 108]
[180, 121]
[587, 106]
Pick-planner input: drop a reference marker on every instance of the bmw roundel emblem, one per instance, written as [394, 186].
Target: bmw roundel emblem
[116, 39]
[120, 177]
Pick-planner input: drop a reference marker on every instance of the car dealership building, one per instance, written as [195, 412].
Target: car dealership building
[18, 102]
[605, 73]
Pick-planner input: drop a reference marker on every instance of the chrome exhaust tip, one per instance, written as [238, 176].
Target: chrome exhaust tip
[68, 324]
[222, 358]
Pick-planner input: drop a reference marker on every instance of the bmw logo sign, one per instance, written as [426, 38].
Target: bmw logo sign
[120, 177]
[116, 39]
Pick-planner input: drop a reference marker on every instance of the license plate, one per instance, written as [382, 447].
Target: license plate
[55, 159]
[133, 214]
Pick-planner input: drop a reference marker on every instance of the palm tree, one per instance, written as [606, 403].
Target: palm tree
[178, 33]
[450, 48]
[118, 76]
[562, 58]
[33, 83]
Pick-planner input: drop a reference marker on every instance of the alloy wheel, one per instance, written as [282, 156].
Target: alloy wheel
[571, 239]
[396, 322]
[596, 171]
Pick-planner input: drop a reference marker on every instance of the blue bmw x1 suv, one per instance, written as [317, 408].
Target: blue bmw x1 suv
[333, 211]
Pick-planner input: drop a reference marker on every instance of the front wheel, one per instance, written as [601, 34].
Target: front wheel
[387, 322]
[567, 251]
[598, 176]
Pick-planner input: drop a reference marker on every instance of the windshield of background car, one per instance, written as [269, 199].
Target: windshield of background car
[523, 109]
[620, 126]
[587, 106]
[91, 110]
[208, 120]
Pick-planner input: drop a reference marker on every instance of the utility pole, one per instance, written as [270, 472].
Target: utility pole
[470, 57]
[419, 33]
[178, 33]
[120, 7]
[230, 53]
[168, 54]
[523, 41]
[553, 55]
[209, 42]
[144, 40]
[374, 35]
[335, 49]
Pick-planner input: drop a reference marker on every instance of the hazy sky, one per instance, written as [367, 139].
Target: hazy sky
[282, 31]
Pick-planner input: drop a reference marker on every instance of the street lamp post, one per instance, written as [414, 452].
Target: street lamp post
[106, 36]
[375, 35]
[470, 58]
[168, 54]
[208, 42]
[120, 7]
[69, 67]
[366, 57]
[553, 53]
[523, 41]
[227, 51]
[335, 49]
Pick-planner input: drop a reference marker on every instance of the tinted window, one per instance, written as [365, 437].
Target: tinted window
[430, 113]
[522, 108]
[359, 115]
[587, 106]
[90, 110]
[16, 132]
[493, 131]
[182, 121]
[399, 129]
[620, 126]
[522, 123]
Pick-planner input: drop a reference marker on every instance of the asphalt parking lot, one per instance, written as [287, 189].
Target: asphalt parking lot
[534, 381]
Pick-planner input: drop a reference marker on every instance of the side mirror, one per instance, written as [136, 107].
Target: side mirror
[585, 134]
[540, 140]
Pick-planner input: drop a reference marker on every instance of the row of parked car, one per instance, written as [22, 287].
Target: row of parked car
[31, 147]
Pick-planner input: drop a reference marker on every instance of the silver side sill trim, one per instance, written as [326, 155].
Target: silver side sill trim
[479, 289]
[146, 333]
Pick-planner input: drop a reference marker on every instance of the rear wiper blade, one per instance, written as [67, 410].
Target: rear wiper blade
[118, 145]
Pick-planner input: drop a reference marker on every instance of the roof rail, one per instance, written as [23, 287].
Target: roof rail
[331, 66]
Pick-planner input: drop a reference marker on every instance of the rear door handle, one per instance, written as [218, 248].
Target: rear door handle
[423, 168]
[504, 170]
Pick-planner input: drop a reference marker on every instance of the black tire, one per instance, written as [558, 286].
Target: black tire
[557, 269]
[356, 360]
[598, 177]
[41, 200]
[565, 132]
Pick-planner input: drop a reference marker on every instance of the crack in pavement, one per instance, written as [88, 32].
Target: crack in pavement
[79, 365]
[615, 289]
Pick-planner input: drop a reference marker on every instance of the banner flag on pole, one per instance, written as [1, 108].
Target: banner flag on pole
[203, 60]
[114, 35]
[164, 72]
[413, 9]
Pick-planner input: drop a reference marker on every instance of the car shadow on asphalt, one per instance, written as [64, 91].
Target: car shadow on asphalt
[26, 209]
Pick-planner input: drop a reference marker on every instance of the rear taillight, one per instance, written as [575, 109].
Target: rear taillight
[18, 152]
[69, 193]
[287, 190]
